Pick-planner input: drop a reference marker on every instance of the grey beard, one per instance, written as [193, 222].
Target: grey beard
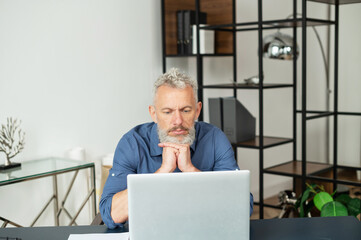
[187, 139]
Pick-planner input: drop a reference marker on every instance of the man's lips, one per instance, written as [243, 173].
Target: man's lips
[178, 132]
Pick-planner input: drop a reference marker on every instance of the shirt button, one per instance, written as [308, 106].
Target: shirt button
[113, 174]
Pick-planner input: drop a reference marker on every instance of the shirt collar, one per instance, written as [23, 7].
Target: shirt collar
[155, 150]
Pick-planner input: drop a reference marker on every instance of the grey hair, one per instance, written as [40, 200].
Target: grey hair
[175, 79]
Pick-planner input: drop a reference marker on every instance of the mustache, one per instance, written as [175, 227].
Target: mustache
[178, 128]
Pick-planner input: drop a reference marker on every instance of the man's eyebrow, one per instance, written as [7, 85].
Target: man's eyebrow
[168, 108]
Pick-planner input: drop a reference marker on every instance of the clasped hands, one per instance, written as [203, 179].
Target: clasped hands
[176, 155]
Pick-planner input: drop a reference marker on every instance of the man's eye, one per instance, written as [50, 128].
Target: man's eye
[187, 111]
[166, 112]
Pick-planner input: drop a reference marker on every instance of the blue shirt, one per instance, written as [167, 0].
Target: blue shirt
[138, 152]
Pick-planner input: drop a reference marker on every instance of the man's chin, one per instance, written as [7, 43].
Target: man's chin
[176, 139]
[178, 136]
[171, 137]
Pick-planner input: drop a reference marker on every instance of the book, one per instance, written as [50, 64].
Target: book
[206, 40]
[189, 19]
[180, 32]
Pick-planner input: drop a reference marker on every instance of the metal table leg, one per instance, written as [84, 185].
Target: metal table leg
[55, 189]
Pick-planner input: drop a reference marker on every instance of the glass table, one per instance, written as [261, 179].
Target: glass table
[51, 167]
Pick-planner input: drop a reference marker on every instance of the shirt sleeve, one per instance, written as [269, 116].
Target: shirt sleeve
[124, 163]
[224, 155]
[225, 159]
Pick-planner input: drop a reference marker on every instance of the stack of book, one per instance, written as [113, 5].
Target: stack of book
[187, 33]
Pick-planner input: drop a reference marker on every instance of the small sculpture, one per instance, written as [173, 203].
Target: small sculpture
[11, 141]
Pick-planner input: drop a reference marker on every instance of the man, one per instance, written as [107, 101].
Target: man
[174, 142]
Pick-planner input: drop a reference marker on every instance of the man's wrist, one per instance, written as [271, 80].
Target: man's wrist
[164, 169]
[191, 169]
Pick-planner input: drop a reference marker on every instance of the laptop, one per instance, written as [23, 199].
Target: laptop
[203, 205]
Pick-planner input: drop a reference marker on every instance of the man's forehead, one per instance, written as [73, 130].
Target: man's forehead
[175, 95]
[169, 89]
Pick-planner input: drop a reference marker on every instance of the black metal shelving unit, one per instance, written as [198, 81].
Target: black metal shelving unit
[296, 169]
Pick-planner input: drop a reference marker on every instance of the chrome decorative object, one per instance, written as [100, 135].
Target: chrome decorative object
[279, 46]
[252, 80]
[11, 142]
[287, 200]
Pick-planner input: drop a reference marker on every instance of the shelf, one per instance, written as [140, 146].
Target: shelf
[267, 142]
[348, 175]
[320, 172]
[350, 113]
[202, 55]
[294, 168]
[333, 1]
[318, 114]
[247, 86]
[321, 115]
[272, 24]
[218, 12]
[296, 23]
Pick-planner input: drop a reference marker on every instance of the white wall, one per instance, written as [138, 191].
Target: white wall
[79, 73]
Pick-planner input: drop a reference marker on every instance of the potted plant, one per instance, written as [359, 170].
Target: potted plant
[316, 199]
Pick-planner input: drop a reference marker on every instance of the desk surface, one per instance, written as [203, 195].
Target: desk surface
[281, 229]
[40, 168]
[325, 228]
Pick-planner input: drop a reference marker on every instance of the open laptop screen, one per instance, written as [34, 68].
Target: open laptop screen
[203, 205]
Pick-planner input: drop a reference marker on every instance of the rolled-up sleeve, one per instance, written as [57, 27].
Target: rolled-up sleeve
[124, 163]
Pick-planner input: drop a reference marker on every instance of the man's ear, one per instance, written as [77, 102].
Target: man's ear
[152, 113]
[199, 108]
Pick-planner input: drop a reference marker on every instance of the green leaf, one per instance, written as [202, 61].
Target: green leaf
[308, 207]
[304, 198]
[334, 192]
[334, 209]
[354, 207]
[343, 198]
[321, 199]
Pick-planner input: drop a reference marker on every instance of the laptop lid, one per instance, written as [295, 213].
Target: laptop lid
[203, 205]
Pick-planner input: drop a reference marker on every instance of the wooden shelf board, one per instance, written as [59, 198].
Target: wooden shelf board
[295, 168]
[267, 142]
[347, 175]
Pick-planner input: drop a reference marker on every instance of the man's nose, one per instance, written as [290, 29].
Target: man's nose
[177, 120]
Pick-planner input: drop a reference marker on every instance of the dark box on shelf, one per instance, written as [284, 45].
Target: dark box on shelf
[233, 118]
